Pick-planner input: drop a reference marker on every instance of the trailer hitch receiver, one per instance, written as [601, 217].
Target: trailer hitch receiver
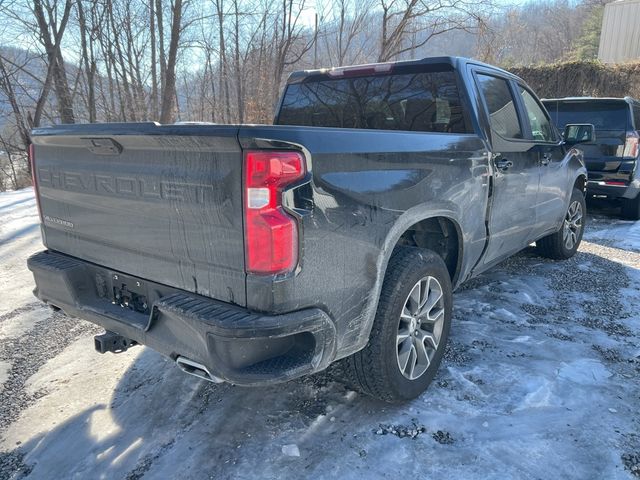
[112, 342]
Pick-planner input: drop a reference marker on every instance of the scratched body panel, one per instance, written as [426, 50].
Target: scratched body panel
[367, 187]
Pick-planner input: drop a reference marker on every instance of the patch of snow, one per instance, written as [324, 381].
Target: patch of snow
[291, 450]
[541, 395]
[18, 325]
[621, 234]
[522, 339]
[585, 371]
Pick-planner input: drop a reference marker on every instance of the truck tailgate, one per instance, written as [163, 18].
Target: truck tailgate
[152, 201]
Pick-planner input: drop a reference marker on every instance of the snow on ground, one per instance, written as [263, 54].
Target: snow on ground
[540, 381]
[612, 231]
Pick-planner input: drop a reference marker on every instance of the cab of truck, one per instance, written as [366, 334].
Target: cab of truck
[611, 159]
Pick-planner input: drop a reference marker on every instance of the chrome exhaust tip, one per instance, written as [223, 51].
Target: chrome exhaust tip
[197, 370]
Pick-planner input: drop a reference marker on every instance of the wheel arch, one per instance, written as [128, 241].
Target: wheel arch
[440, 234]
[446, 212]
[581, 183]
[398, 236]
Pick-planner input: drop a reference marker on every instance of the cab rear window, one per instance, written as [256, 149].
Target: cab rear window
[603, 115]
[424, 102]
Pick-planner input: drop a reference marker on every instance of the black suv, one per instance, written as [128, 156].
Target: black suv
[611, 159]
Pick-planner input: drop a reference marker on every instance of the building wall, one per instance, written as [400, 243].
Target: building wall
[620, 37]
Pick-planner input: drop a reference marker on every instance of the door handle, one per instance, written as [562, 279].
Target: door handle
[504, 164]
[545, 159]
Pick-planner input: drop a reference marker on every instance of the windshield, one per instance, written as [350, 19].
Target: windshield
[423, 101]
[603, 115]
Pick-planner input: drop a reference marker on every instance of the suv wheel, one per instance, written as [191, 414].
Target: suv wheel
[565, 242]
[631, 208]
[410, 330]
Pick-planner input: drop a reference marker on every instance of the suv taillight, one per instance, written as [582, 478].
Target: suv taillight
[34, 180]
[631, 146]
[271, 234]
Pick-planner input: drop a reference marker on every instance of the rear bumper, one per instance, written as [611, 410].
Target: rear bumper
[613, 191]
[236, 345]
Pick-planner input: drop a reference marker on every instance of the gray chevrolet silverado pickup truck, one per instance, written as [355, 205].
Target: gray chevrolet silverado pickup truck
[255, 254]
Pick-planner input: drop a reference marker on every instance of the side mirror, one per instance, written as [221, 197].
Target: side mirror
[579, 133]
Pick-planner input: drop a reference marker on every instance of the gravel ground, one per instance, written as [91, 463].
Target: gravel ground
[540, 380]
[29, 353]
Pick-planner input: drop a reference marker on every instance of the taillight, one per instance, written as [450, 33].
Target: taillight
[271, 234]
[631, 146]
[34, 179]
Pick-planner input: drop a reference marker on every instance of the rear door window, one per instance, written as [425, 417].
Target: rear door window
[499, 100]
[423, 101]
[603, 115]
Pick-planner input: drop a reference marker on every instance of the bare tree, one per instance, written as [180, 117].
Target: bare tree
[345, 35]
[154, 61]
[87, 38]
[407, 25]
[12, 172]
[6, 86]
[168, 106]
[222, 53]
[290, 42]
[50, 32]
[239, 79]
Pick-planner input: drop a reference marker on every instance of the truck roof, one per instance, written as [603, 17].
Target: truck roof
[455, 62]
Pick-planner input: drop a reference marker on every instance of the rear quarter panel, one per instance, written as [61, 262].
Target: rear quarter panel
[364, 189]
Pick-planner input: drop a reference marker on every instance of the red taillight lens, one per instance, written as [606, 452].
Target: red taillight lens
[631, 146]
[34, 179]
[271, 234]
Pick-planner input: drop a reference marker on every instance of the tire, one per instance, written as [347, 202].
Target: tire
[376, 370]
[631, 208]
[565, 242]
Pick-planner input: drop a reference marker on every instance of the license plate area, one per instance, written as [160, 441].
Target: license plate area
[129, 292]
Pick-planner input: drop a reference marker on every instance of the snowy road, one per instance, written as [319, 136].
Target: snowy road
[541, 381]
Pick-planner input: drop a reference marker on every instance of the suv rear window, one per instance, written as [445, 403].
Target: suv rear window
[424, 101]
[603, 115]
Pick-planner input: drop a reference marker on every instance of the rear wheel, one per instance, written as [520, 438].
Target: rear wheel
[631, 208]
[410, 329]
[565, 242]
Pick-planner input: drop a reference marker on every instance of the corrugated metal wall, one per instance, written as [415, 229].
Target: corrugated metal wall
[620, 37]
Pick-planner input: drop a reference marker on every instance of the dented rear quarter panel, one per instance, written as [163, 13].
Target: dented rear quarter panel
[364, 189]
